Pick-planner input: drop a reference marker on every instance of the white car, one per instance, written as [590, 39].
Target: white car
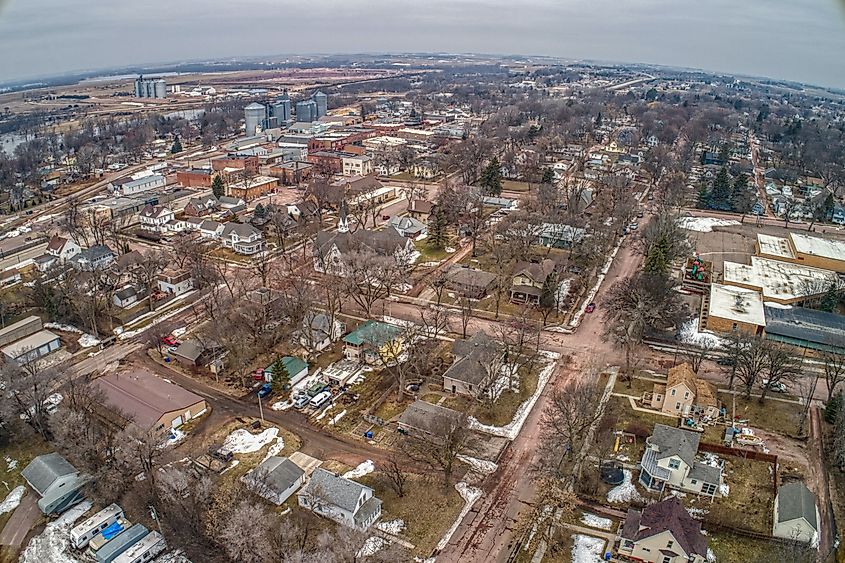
[775, 386]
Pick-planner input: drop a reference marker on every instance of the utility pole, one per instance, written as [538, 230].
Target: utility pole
[155, 517]
[260, 409]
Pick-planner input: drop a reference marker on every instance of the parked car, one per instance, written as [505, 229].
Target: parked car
[321, 399]
[265, 390]
[775, 386]
[590, 308]
[726, 361]
[633, 226]
[301, 401]
[170, 341]
[640, 214]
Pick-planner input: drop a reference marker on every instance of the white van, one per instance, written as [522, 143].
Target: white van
[320, 399]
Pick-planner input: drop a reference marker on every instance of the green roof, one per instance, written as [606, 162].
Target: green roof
[293, 365]
[373, 333]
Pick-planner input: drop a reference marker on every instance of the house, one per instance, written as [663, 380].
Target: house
[275, 479]
[500, 202]
[371, 341]
[796, 514]
[243, 238]
[342, 500]
[57, 482]
[32, 347]
[838, 215]
[126, 297]
[175, 282]
[211, 229]
[669, 460]
[232, 203]
[9, 277]
[150, 402]
[684, 394]
[420, 209]
[62, 248]
[357, 165]
[188, 353]
[331, 247]
[201, 206]
[663, 532]
[429, 421]
[295, 369]
[316, 334]
[474, 368]
[408, 226]
[97, 257]
[558, 235]
[530, 278]
[469, 282]
[155, 218]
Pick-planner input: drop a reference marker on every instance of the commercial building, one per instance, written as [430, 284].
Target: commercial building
[729, 309]
[252, 188]
[150, 88]
[358, 165]
[195, 178]
[306, 111]
[151, 402]
[806, 328]
[779, 281]
[33, 347]
[817, 252]
[144, 184]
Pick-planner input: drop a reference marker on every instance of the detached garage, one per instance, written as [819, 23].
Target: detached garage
[33, 347]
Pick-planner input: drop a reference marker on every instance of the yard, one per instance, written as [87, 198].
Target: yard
[731, 547]
[428, 508]
[13, 459]
[429, 253]
[773, 415]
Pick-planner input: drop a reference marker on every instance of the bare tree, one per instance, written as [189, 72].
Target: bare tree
[450, 438]
[27, 387]
[699, 354]
[241, 538]
[369, 277]
[834, 371]
[781, 367]
[396, 476]
[466, 309]
[751, 363]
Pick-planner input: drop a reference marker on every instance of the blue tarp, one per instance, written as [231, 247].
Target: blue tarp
[112, 531]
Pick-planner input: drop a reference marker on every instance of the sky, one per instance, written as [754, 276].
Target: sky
[801, 40]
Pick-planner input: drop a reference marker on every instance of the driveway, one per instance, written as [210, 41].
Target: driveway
[23, 519]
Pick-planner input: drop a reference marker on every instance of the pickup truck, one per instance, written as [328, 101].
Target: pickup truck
[265, 390]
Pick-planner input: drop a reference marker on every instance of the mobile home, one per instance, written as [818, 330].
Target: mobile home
[85, 532]
[145, 550]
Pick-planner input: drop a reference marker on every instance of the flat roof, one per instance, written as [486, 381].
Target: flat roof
[774, 246]
[782, 281]
[817, 246]
[736, 304]
[21, 323]
[31, 342]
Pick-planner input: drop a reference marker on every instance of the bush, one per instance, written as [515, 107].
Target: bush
[831, 408]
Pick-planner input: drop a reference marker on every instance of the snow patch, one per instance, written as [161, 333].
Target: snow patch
[711, 557]
[372, 545]
[595, 521]
[85, 340]
[275, 449]
[12, 500]
[52, 544]
[232, 465]
[587, 549]
[281, 406]
[337, 418]
[481, 466]
[393, 527]
[626, 492]
[704, 224]
[470, 495]
[242, 442]
[363, 468]
[511, 430]
[11, 464]
[689, 334]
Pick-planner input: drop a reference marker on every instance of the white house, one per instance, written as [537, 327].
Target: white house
[796, 514]
[62, 248]
[358, 165]
[126, 297]
[342, 500]
[175, 282]
[242, 238]
[669, 461]
[316, 334]
[156, 218]
[211, 229]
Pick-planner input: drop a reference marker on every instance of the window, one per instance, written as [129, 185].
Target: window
[708, 489]
[674, 463]
[677, 406]
[670, 544]
[694, 482]
[686, 394]
[673, 392]
[733, 328]
[667, 559]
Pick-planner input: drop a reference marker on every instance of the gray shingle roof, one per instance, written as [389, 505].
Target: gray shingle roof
[45, 469]
[335, 490]
[675, 442]
[278, 473]
[371, 507]
[705, 473]
[428, 417]
[666, 515]
[796, 501]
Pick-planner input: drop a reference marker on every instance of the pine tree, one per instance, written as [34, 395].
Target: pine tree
[217, 187]
[598, 120]
[281, 379]
[830, 298]
[260, 211]
[657, 260]
[548, 176]
[720, 197]
[703, 198]
[548, 297]
[437, 235]
[491, 178]
[177, 146]
[740, 202]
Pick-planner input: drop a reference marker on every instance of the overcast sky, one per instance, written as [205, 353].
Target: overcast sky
[791, 39]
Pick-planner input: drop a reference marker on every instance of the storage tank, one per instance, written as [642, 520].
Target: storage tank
[254, 114]
[322, 101]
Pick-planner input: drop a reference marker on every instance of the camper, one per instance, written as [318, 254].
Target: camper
[145, 550]
[321, 399]
[119, 545]
[85, 532]
[109, 533]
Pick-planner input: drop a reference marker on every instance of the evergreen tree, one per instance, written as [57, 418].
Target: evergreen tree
[740, 201]
[703, 198]
[217, 187]
[437, 225]
[177, 146]
[598, 120]
[725, 153]
[491, 178]
[657, 260]
[825, 210]
[720, 197]
[548, 297]
[548, 176]
[260, 211]
[281, 379]
[832, 407]
[830, 298]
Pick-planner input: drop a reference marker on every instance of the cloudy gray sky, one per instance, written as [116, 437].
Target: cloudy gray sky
[791, 39]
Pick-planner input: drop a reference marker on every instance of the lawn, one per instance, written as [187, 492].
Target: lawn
[516, 186]
[730, 547]
[635, 387]
[430, 253]
[625, 418]
[428, 508]
[775, 416]
[505, 408]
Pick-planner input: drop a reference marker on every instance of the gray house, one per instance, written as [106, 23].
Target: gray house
[342, 500]
[796, 514]
[429, 421]
[56, 481]
[670, 460]
[275, 479]
[474, 367]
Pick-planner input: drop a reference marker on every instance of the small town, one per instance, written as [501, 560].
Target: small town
[432, 308]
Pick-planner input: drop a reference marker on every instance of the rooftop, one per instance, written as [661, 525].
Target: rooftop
[779, 281]
[736, 304]
[795, 500]
[372, 332]
[31, 342]
[806, 324]
[774, 246]
[816, 246]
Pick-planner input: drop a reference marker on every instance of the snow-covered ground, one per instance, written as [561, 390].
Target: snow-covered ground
[242, 442]
[704, 224]
[625, 492]
[372, 545]
[337, 418]
[233, 464]
[689, 334]
[275, 449]
[394, 527]
[595, 521]
[85, 340]
[173, 437]
[587, 549]
[470, 496]
[173, 557]
[11, 464]
[12, 500]
[481, 466]
[511, 430]
[281, 405]
[363, 468]
[54, 542]
[711, 557]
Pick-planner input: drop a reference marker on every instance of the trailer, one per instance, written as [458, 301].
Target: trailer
[83, 533]
[119, 545]
[145, 550]
[109, 533]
